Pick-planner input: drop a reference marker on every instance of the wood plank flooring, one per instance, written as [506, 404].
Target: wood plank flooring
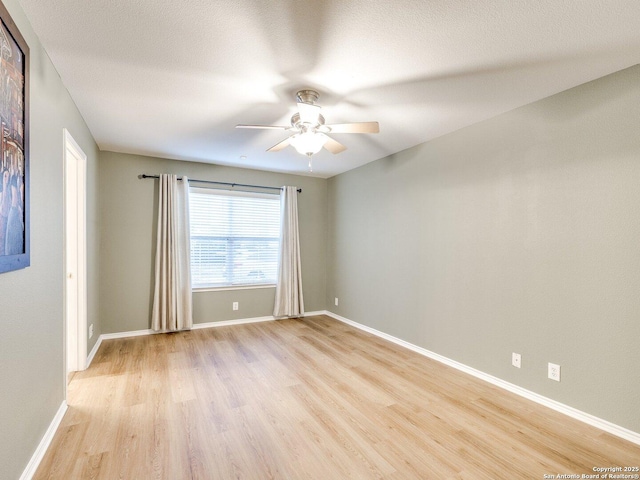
[305, 399]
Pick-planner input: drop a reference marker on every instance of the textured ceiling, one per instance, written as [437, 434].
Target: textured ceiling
[172, 79]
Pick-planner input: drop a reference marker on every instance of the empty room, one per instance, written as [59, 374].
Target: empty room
[319, 239]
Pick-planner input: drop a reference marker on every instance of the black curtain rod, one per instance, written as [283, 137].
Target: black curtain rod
[220, 183]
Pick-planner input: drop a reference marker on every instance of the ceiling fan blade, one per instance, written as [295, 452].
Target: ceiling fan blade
[359, 127]
[308, 113]
[279, 146]
[268, 127]
[333, 146]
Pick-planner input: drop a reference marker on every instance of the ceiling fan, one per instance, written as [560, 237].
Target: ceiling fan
[310, 131]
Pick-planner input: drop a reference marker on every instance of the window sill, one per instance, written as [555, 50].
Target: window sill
[233, 287]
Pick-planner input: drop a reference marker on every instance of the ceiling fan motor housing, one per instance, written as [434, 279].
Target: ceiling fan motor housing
[307, 96]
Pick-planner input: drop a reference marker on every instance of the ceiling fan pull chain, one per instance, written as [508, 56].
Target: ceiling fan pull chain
[310, 167]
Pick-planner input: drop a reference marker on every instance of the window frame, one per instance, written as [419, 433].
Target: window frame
[237, 193]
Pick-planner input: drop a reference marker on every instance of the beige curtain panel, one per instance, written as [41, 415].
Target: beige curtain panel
[289, 301]
[172, 310]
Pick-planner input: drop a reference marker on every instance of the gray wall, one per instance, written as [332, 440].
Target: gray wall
[519, 234]
[31, 300]
[128, 210]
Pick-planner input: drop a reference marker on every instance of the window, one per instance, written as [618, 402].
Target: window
[234, 238]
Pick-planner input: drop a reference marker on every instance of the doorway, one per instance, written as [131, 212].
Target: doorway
[75, 183]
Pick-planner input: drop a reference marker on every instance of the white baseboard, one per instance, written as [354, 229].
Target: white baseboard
[226, 323]
[94, 350]
[547, 402]
[196, 326]
[133, 333]
[37, 456]
[241, 321]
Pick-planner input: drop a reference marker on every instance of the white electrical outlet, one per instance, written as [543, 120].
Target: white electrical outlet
[516, 360]
[91, 330]
[336, 301]
[554, 372]
[235, 305]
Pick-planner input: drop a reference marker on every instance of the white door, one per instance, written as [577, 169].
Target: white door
[75, 255]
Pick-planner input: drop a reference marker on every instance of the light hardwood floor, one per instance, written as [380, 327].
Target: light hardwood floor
[305, 399]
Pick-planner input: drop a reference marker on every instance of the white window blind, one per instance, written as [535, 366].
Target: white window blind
[234, 238]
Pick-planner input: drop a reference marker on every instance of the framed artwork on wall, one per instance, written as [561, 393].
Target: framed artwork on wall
[14, 146]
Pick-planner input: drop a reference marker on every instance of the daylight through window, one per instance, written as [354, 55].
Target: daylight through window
[234, 238]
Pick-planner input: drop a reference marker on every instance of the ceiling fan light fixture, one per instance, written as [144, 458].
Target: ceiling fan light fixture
[308, 143]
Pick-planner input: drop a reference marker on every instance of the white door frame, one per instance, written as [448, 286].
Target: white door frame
[75, 256]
